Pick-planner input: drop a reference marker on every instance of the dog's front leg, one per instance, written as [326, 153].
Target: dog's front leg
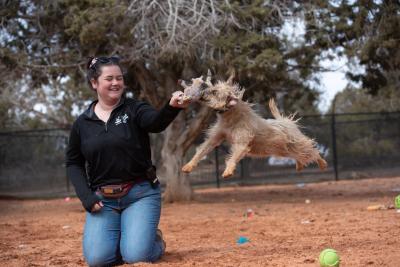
[238, 151]
[209, 144]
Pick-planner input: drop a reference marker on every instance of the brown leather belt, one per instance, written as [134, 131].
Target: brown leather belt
[118, 190]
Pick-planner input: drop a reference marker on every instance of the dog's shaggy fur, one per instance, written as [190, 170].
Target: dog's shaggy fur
[247, 132]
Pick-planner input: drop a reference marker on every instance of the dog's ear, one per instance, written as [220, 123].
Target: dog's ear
[230, 79]
[208, 79]
[237, 91]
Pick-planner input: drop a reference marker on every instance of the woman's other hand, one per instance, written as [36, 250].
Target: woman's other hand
[97, 206]
[178, 100]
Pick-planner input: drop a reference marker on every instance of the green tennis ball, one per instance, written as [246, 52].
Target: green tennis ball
[329, 258]
[397, 202]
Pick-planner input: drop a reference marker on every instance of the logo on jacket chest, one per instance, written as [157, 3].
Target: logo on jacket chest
[121, 119]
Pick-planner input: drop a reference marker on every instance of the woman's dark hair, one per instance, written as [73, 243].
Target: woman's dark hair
[94, 64]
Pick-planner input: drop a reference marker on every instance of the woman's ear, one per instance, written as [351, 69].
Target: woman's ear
[93, 82]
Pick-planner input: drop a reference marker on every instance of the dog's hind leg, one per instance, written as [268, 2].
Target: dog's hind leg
[238, 152]
[209, 144]
[299, 166]
[322, 163]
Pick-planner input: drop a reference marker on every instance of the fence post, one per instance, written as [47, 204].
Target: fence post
[216, 166]
[244, 169]
[66, 178]
[334, 150]
[241, 171]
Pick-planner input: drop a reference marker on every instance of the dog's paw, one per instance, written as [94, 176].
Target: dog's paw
[227, 173]
[187, 168]
[322, 164]
[299, 166]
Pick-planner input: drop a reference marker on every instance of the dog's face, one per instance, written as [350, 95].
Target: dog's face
[221, 96]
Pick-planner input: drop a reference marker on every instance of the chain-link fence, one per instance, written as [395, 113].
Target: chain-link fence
[32, 163]
[355, 145]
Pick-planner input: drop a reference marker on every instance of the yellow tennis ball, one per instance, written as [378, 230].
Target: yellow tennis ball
[329, 258]
[397, 202]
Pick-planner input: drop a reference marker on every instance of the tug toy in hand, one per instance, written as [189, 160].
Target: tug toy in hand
[193, 92]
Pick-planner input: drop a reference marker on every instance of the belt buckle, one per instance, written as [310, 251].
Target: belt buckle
[111, 189]
[108, 190]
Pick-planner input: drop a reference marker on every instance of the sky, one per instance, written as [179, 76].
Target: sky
[332, 82]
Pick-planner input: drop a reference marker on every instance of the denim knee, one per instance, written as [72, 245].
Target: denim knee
[136, 256]
[101, 260]
[96, 262]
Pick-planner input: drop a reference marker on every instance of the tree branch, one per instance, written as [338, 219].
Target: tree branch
[146, 81]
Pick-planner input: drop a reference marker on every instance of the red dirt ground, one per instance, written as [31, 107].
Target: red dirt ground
[284, 231]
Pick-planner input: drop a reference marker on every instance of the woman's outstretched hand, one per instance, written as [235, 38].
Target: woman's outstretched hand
[178, 100]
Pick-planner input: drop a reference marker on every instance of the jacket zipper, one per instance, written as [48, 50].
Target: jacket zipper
[106, 123]
[109, 118]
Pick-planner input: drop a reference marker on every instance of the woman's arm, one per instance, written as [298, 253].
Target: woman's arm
[76, 172]
[156, 121]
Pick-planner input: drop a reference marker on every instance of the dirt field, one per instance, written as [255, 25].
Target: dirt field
[290, 226]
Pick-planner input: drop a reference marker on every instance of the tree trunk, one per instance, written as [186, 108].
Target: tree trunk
[177, 186]
[178, 137]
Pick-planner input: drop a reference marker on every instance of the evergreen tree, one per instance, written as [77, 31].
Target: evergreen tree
[367, 32]
[45, 45]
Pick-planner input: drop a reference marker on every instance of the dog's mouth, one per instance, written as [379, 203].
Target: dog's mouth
[220, 109]
[227, 104]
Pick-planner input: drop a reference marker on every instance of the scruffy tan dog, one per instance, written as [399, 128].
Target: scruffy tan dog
[247, 132]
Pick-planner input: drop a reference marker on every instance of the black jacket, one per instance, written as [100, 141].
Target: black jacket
[101, 153]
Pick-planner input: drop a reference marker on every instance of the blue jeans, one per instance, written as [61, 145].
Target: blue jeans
[124, 230]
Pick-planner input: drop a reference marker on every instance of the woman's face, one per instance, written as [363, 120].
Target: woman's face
[110, 84]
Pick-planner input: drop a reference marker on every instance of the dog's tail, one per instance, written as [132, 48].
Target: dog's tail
[274, 109]
[277, 115]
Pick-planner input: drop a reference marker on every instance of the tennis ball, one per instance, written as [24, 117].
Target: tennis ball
[329, 258]
[397, 202]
